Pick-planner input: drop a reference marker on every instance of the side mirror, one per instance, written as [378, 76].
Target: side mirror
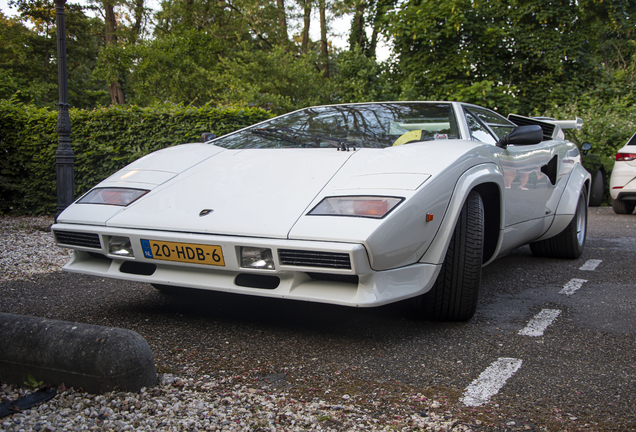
[205, 137]
[586, 147]
[522, 135]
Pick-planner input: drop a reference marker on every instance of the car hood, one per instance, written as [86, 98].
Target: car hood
[258, 193]
[266, 192]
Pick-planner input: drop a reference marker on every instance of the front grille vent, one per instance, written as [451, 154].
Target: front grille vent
[72, 238]
[306, 258]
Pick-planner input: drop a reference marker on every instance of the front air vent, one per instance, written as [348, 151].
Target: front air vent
[137, 268]
[250, 280]
[304, 258]
[329, 277]
[73, 238]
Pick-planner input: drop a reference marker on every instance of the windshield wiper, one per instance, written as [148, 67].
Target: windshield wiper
[292, 135]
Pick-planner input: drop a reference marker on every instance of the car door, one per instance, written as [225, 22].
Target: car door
[527, 187]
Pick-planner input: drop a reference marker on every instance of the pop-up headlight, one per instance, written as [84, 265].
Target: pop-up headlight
[112, 196]
[362, 206]
[257, 258]
[120, 246]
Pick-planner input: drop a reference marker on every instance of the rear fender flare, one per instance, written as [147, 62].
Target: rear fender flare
[475, 176]
[579, 179]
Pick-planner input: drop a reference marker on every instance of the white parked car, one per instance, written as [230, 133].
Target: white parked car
[358, 205]
[623, 179]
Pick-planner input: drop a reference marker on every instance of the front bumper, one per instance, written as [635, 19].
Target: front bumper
[357, 285]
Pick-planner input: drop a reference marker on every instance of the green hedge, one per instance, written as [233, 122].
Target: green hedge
[103, 141]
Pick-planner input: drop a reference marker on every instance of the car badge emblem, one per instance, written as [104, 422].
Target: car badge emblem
[205, 212]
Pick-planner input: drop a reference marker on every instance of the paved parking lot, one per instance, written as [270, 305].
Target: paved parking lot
[552, 346]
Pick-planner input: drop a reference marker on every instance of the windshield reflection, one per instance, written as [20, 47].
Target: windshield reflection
[374, 125]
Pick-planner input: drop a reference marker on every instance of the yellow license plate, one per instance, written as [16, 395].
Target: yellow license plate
[183, 252]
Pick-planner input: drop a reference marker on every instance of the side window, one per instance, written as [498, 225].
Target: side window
[478, 131]
[632, 141]
[497, 123]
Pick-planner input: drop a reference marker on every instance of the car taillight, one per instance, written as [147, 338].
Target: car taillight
[625, 157]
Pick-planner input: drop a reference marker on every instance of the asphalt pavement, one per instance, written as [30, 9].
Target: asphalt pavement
[552, 346]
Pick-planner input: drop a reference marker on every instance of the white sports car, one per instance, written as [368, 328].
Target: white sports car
[358, 205]
[623, 179]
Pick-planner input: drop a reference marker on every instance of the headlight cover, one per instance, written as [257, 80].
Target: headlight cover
[375, 207]
[112, 196]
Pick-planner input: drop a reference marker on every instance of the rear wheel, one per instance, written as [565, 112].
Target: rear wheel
[455, 292]
[568, 243]
[623, 207]
[598, 189]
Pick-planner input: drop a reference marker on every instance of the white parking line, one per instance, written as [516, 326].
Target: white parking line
[537, 325]
[490, 381]
[590, 265]
[573, 286]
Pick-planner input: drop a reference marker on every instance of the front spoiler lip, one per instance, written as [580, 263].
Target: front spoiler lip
[375, 288]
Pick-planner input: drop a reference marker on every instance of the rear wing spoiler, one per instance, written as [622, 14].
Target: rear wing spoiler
[552, 129]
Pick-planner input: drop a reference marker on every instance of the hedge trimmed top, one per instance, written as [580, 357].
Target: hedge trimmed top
[103, 140]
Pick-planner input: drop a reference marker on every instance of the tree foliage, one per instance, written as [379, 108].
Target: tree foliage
[511, 54]
[28, 55]
[525, 56]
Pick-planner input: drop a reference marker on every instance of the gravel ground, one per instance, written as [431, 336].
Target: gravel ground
[188, 401]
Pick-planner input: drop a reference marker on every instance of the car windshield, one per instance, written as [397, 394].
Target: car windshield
[373, 125]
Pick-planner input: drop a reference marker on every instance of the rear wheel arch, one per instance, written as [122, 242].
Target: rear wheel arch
[570, 242]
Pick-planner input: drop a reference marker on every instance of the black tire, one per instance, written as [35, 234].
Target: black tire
[598, 189]
[456, 290]
[570, 242]
[623, 207]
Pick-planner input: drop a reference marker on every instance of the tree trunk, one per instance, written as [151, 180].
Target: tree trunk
[358, 36]
[282, 20]
[110, 36]
[139, 17]
[324, 52]
[307, 22]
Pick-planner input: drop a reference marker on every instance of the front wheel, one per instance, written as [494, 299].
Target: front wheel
[568, 243]
[455, 292]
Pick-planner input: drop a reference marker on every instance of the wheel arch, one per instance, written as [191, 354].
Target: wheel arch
[491, 197]
[487, 179]
[579, 179]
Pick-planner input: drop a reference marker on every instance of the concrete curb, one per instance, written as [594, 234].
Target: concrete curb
[97, 359]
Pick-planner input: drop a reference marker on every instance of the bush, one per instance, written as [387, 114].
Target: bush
[606, 125]
[103, 140]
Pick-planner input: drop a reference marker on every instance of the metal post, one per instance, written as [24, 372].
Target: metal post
[64, 159]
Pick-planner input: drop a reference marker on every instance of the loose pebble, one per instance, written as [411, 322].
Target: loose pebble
[27, 248]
